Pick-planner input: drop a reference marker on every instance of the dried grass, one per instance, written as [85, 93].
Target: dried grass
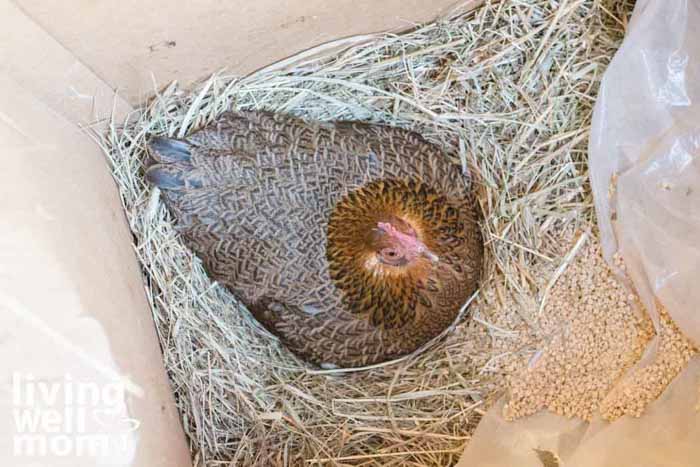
[508, 90]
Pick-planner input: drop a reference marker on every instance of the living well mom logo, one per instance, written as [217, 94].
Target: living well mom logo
[69, 417]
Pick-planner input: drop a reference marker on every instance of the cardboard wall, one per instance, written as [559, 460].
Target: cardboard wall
[130, 43]
[82, 380]
[81, 365]
[51, 73]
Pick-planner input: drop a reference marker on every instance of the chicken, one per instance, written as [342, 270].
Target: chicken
[353, 243]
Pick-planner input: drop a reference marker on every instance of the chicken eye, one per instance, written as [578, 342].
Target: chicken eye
[389, 253]
[391, 256]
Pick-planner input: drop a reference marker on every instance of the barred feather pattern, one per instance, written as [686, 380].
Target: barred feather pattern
[279, 211]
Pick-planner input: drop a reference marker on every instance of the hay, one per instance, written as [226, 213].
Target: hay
[508, 90]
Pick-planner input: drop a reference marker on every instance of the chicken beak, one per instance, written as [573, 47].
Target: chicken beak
[430, 255]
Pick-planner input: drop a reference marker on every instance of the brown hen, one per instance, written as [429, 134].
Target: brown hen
[353, 243]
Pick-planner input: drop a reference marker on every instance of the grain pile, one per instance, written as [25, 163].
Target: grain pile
[508, 90]
[592, 334]
[643, 385]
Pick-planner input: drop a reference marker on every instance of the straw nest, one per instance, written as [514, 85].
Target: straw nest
[507, 89]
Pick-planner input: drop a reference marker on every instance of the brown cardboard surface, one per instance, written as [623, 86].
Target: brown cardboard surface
[72, 305]
[80, 355]
[132, 44]
[31, 57]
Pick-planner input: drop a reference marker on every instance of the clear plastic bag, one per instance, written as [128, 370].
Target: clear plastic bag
[644, 158]
[646, 134]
